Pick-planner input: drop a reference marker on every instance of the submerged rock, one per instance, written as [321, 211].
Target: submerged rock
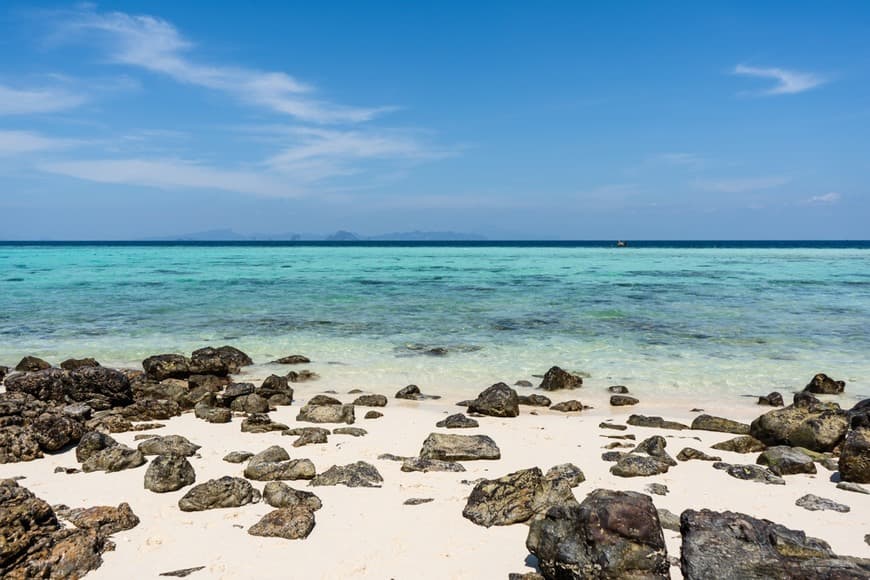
[623, 401]
[359, 474]
[499, 400]
[225, 492]
[822, 384]
[290, 523]
[557, 379]
[449, 447]
[293, 359]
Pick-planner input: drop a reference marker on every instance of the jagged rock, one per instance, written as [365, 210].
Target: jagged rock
[854, 461]
[815, 503]
[225, 492]
[109, 422]
[750, 473]
[169, 473]
[151, 409]
[18, 443]
[261, 423]
[308, 435]
[114, 458]
[426, 465]
[669, 520]
[655, 422]
[499, 400]
[276, 390]
[657, 489]
[719, 424]
[773, 399]
[458, 421]
[806, 423]
[213, 414]
[534, 400]
[91, 443]
[106, 520]
[352, 431]
[168, 445]
[280, 495]
[567, 472]
[744, 444]
[75, 363]
[54, 431]
[783, 460]
[448, 447]
[166, 366]
[290, 523]
[302, 376]
[612, 534]
[274, 464]
[359, 474]
[327, 414]
[688, 454]
[293, 359]
[371, 401]
[31, 364]
[412, 393]
[822, 384]
[557, 379]
[623, 401]
[571, 406]
[238, 456]
[373, 415]
[734, 546]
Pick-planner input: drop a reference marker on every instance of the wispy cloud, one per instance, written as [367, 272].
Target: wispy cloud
[829, 198]
[23, 142]
[37, 100]
[158, 46]
[787, 82]
[741, 185]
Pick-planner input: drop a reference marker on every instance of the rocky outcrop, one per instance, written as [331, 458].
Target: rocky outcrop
[499, 400]
[557, 379]
[359, 474]
[457, 421]
[448, 447]
[783, 460]
[822, 384]
[168, 445]
[226, 492]
[290, 523]
[854, 464]
[734, 546]
[18, 443]
[169, 473]
[806, 423]
[719, 424]
[655, 422]
[612, 534]
[412, 393]
[370, 401]
[515, 498]
[99, 387]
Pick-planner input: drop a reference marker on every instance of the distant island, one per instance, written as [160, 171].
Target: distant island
[228, 235]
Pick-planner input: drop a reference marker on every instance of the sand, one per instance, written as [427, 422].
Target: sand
[369, 533]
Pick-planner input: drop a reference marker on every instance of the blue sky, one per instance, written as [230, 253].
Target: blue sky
[556, 120]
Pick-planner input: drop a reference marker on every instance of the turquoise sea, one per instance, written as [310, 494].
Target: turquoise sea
[678, 318]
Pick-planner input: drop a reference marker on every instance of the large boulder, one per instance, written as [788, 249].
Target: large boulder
[208, 361]
[557, 379]
[226, 492]
[99, 387]
[234, 358]
[359, 474]
[449, 447]
[611, 535]
[854, 462]
[167, 366]
[169, 473]
[806, 423]
[47, 385]
[734, 546]
[290, 523]
[499, 400]
[822, 384]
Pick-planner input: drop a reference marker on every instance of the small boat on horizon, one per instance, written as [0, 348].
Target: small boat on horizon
[621, 244]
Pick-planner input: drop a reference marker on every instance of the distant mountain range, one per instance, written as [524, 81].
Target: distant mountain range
[227, 235]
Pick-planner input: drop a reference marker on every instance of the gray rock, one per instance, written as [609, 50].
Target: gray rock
[719, 424]
[655, 422]
[373, 415]
[783, 460]
[751, 473]
[352, 431]
[618, 389]
[168, 445]
[323, 400]
[183, 572]
[225, 492]
[261, 423]
[815, 503]
[534, 400]
[115, 458]
[571, 406]
[91, 443]
[669, 520]
[633, 465]
[605, 425]
[657, 489]
[238, 456]
[276, 390]
[290, 523]
[557, 379]
[280, 495]
[688, 454]
[744, 444]
[514, 498]
[327, 414]
[236, 390]
[418, 500]
[274, 464]
[567, 472]
[359, 474]
[523, 383]
[623, 401]
[458, 421]
[212, 414]
[370, 401]
[853, 487]
[293, 359]
[169, 473]
[807, 423]
[106, 520]
[252, 403]
[449, 447]
[426, 465]
[499, 400]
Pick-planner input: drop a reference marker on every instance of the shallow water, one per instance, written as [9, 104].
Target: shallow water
[680, 320]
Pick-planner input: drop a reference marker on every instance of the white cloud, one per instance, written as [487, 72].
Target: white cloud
[21, 142]
[741, 185]
[156, 45]
[787, 82]
[37, 100]
[171, 174]
[829, 198]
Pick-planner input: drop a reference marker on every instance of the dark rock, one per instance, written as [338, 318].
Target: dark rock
[734, 546]
[391, 457]
[235, 390]
[557, 379]
[512, 499]
[276, 390]
[783, 460]
[458, 421]
[359, 474]
[355, 392]
[175, 390]
[352, 431]
[230, 355]
[280, 495]
[166, 366]
[252, 403]
[774, 399]
[612, 534]
[327, 414]
[657, 489]
[571, 406]
[308, 435]
[426, 465]
[635, 465]
[293, 359]
[30, 364]
[169, 473]
[567, 472]
[18, 443]
[418, 500]
[822, 384]
[523, 383]
[4, 370]
[274, 464]
[688, 454]
[448, 447]
[618, 389]
[213, 414]
[655, 422]
[612, 456]
[854, 461]
[371, 401]
[302, 376]
[168, 445]
[815, 503]
[751, 473]
[323, 400]
[209, 361]
[623, 401]
[106, 520]
[499, 400]
[534, 400]
[744, 444]
[55, 431]
[612, 426]
[373, 415]
[75, 363]
[151, 409]
[91, 443]
[225, 492]
[207, 383]
[412, 393]
[261, 423]
[291, 523]
[814, 425]
[109, 422]
[719, 424]
[238, 456]
[182, 573]
[114, 458]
